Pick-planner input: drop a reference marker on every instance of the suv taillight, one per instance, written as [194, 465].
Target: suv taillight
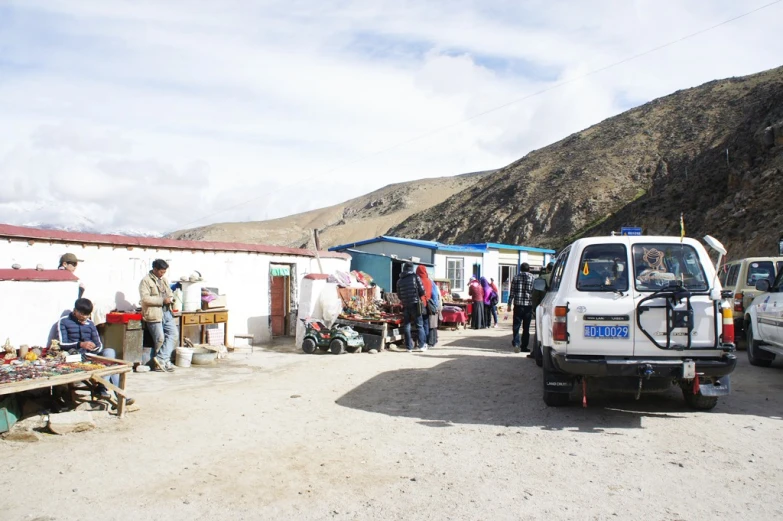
[560, 325]
[738, 302]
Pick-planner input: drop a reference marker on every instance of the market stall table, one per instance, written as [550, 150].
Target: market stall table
[16, 378]
[376, 331]
[454, 317]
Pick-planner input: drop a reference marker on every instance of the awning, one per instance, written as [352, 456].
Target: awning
[279, 270]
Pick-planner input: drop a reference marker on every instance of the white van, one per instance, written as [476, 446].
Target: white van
[641, 311]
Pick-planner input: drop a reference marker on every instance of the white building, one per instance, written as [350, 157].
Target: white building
[456, 262]
[261, 282]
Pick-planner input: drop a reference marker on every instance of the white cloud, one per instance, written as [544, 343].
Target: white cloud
[147, 115]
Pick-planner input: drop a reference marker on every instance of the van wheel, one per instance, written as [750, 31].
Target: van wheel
[308, 346]
[337, 346]
[699, 401]
[756, 355]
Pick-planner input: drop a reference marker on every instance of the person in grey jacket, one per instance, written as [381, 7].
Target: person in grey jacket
[410, 291]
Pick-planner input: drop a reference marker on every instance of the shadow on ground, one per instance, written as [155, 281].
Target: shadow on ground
[507, 391]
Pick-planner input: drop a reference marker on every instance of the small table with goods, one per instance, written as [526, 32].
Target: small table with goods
[202, 319]
[47, 371]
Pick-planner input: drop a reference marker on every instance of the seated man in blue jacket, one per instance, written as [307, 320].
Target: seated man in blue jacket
[78, 333]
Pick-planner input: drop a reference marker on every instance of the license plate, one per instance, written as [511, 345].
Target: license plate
[689, 370]
[606, 331]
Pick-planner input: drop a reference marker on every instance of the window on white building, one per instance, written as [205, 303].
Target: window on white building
[455, 273]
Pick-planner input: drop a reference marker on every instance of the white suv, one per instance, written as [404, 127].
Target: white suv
[764, 322]
[642, 312]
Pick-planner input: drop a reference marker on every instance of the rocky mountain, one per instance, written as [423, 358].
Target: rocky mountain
[713, 153]
[360, 218]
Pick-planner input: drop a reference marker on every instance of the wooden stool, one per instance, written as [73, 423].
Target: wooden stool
[249, 339]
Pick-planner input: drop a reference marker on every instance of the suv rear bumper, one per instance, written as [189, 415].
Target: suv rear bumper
[660, 367]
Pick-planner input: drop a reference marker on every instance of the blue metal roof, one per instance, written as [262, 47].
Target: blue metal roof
[500, 246]
[398, 240]
[433, 245]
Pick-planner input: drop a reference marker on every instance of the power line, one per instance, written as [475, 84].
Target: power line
[497, 108]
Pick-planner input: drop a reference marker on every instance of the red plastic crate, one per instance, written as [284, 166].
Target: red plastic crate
[122, 318]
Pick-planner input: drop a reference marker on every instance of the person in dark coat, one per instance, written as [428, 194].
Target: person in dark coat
[410, 290]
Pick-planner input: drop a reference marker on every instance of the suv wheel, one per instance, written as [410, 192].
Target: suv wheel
[699, 401]
[756, 355]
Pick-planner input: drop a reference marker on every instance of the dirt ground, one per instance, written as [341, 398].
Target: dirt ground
[459, 432]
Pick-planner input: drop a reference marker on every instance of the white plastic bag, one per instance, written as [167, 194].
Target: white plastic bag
[331, 304]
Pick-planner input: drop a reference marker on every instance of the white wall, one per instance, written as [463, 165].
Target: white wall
[490, 267]
[28, 309]
[403, 251]
[468, 259]
[111, 276]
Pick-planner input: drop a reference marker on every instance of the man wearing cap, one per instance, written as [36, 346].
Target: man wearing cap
[69, 262]
[410, 290]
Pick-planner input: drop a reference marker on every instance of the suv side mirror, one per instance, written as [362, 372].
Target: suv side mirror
[539, 285]
[763, 285]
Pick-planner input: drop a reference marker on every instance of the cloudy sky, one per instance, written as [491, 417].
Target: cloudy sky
[150, 116]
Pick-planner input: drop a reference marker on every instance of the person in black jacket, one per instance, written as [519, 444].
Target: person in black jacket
[410, 291]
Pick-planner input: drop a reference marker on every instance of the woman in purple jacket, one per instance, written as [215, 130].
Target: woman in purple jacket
[488, 293]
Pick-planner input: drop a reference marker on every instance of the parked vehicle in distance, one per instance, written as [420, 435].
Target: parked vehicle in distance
[640, 313]
[740, 276]
[764, 322]
[337, 339]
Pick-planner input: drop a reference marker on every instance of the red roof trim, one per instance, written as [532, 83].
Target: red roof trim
[35, 275]
[316, 276]
[22, 232]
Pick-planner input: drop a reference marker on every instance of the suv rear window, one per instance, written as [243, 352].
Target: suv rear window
[657, 266]
[603, 268]
[760, 270]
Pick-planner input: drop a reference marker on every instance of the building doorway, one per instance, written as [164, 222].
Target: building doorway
[507, 274]
[280, 296]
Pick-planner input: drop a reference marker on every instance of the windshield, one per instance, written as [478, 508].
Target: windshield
[657, 266]
[760, 270]
[602, 268]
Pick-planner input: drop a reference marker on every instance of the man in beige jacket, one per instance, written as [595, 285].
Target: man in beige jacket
[156, 299]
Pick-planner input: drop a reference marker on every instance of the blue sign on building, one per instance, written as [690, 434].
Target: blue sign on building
[626, 230]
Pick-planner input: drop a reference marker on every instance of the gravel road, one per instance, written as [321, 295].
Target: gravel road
[459, 432]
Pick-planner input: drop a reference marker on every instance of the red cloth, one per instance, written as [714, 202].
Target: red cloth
[455, 316]
[421, 271]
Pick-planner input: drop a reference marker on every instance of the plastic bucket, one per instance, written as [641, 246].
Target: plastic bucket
[184, 357]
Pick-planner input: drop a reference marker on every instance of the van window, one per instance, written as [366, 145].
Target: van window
[760, 270]
[657, 266]
[724, 270]
[603, 268]
[557, 271]
[731, 278]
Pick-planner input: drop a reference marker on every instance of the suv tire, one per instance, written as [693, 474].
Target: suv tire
[757, 356]
[699, 401]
